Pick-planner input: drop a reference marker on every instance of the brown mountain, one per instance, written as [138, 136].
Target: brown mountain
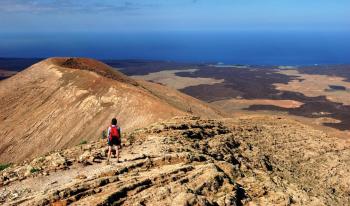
[59, 102]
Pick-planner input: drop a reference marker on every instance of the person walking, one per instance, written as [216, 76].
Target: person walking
[114, 139]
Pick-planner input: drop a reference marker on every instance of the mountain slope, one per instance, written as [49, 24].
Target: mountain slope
[60, 102]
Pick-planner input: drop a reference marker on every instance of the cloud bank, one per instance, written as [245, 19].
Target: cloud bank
[81, 6]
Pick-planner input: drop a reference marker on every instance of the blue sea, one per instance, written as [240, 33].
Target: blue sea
[268, 47]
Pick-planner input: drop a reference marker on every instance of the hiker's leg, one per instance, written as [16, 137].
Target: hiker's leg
[112, 153]
[109, 152]
[117, 152]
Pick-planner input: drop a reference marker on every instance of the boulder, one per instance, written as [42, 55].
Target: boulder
[57, 160]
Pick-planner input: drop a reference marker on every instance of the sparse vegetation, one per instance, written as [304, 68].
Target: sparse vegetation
[4, 166]
[131, 137]
[104, 134]
[83, 142]
[34, 170]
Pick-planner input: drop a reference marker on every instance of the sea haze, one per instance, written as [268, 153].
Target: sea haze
[293, 47]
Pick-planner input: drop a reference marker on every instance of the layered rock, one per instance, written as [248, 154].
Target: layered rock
[194, 161]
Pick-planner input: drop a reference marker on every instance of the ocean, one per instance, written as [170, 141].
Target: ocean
[259, 47]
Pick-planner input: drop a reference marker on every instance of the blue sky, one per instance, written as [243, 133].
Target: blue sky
[129, 15]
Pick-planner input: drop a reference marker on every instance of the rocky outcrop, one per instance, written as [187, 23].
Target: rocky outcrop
[192, 161]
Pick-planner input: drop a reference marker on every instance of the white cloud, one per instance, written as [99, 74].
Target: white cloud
[38, 6]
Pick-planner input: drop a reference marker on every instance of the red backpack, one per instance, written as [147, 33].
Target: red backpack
[114, 133]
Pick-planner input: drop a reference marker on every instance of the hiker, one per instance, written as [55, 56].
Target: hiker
[114, 136]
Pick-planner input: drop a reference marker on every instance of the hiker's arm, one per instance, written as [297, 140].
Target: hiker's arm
[108, 132]
[119, 131]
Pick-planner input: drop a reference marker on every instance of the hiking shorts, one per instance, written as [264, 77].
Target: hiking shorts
[114, 141]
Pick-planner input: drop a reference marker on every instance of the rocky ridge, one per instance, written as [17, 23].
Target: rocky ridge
[192, 161]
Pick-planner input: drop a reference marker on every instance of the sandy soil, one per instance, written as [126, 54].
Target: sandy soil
[234, 104]
[169, 78]
[317, 85]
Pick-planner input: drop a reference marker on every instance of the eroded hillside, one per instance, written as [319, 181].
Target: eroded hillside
[60, 102]
[192, 161]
